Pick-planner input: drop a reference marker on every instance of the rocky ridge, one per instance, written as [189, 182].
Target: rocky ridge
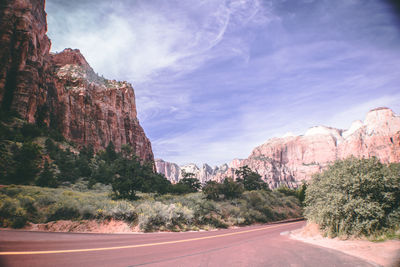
[292, 159]
[61, 90]
[173, 171]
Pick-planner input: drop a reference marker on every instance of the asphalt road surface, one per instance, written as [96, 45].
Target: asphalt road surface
[261, 245]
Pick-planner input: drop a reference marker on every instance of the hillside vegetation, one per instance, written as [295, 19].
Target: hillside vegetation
[22, 204]
[51, 179]
[356, 197]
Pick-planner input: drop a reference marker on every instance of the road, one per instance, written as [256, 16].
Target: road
[261, 245]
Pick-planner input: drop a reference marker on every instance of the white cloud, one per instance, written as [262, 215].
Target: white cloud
[137, 44]
[214, 79]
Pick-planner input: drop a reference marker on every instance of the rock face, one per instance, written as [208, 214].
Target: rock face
[173, 172]
[62, 90]
[291, 159]
[24, 56]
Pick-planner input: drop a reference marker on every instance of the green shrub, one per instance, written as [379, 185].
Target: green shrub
[19, 204]
[64, 213]
[355, 197]
[153, 216]
[12, 214]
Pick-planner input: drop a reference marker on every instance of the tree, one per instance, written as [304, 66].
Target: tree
[301, 192]
[250, 179]
[66, 162]
[355, 197]
[189, 182]
[26, 160]
[111, 155]
[128, 179]
[231, 189]
[46, 177]
[83, 160]
[212, 190]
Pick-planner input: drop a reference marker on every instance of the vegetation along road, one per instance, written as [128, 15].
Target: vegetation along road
[261, 245]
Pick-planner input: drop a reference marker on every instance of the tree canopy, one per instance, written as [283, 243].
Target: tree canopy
[355, 197]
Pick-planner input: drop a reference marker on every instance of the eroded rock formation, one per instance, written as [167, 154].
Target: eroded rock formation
[295, 158]
[62, 90]
[291, 159]
[173, 172]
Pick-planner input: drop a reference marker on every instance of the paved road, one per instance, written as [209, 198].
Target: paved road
[261, 245]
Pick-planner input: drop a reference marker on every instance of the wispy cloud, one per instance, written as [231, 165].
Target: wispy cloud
[138, 39]
[213, 79]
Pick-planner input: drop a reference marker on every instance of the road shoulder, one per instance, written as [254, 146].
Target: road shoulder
[382, 253]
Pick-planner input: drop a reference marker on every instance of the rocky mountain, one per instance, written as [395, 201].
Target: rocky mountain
[61, 90]
[291, 159]
[173, 172]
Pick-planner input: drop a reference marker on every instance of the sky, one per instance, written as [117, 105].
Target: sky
[213, 79]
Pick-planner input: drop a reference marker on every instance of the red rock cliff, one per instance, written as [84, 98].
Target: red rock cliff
[24, 50]
[291, 159]
[62, 90]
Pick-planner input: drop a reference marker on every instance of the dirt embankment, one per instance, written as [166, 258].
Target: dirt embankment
[84, 226]
[382, 253]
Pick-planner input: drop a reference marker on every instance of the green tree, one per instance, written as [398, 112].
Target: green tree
[212, 190]
[51, 148]
[26, 164]
[301, 192]
[128, 178]
[231, 189]
[83, 161]
[46, 177]
[66, 162]
[355, 197]
[189, 182]
[250, 179]
[111, 155]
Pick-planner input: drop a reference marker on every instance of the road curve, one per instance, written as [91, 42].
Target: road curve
[261, 245]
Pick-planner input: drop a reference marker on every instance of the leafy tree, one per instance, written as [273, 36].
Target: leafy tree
[66, 162]
[298, 192]
[102, 172]
[128, 178]
[301, 192]
[212, 190]
[83, 161]
[250, 179]
[26, 164]
[231, 189]
[188, 184]
[6, 163]
[46, 177]
[355, 197]
[111, 155]
[87, 152]
[51, 148]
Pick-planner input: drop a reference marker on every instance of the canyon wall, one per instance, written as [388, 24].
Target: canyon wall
[61, 90]
[173, 172]
[292, 159]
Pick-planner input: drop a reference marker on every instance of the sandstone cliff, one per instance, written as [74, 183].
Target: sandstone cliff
[173, 172]
[291, 159]
[62, 90]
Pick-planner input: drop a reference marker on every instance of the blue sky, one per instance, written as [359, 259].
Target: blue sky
[213, 79]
